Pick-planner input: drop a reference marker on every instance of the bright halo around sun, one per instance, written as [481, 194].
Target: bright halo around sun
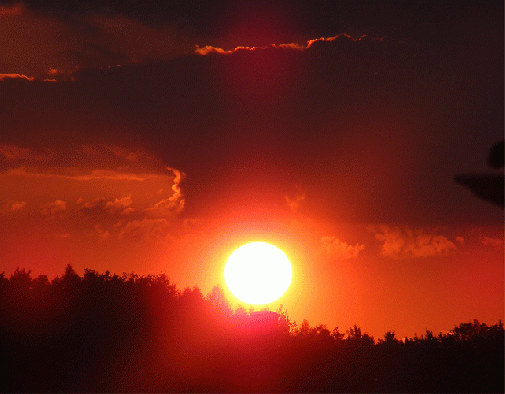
[258, 273]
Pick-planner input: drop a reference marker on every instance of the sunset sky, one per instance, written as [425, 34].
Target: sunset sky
[157, 138]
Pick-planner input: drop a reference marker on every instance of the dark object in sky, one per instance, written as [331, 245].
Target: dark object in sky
[487, 186]
[495, 158]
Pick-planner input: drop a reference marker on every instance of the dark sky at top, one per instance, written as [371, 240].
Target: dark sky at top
[423, 21]
[377, 133]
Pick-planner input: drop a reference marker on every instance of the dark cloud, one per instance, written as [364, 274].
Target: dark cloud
[83, 161]
[51, 48]
[370, 129]
[423, 21]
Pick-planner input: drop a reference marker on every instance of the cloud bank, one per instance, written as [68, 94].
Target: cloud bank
[404, 242]
[103, 190]
[334, 248]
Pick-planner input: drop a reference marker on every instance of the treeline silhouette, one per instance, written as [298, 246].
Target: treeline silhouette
[130, 333]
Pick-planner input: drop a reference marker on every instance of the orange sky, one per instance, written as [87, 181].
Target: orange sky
[129, 144]
[380, 276]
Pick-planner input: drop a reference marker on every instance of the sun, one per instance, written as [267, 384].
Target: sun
[258, 273]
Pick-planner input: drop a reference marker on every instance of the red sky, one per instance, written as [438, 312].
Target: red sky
[155, 139]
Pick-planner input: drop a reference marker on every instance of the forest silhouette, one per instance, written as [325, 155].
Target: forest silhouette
[130, 333]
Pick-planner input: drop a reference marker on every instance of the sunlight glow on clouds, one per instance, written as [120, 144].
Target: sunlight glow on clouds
[119, 203]
[17, 205]
[145, 230]
[210, 49]
[405, 242]
[293, 46]
[494, 243]
[100, 40]
[53, 208]
[12, 206]
[15, 155]
[295, 202]
[336, 249]
[13, 76]
[103, 191]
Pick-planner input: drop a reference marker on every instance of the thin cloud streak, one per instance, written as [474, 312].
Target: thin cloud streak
[86, 163]
[94, 175]
[208, 49]
[3, 77]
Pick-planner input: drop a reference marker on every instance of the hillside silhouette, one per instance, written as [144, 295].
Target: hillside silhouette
[130, 333]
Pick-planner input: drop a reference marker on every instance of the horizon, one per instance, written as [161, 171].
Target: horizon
[104, 333]
[240, 309]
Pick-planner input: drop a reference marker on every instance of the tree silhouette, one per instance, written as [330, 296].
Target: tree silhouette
[337, 335]
[130, 333]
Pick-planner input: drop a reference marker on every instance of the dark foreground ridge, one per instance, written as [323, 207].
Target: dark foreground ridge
[130, 333]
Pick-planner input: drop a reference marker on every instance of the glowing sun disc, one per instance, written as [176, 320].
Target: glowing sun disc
[258, 273]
